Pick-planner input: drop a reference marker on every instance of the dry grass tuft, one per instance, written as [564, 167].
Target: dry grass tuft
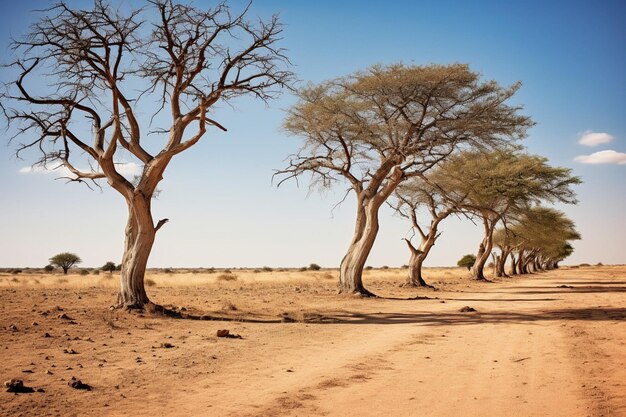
[227, 277]
[150, 282]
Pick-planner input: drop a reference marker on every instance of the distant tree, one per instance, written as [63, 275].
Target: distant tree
[467, 261]
[84, 79]
[536, 238]
[375, 128]
[314, 267]
[65, 261]
[497, 183]
[109, 267]
[48, 268]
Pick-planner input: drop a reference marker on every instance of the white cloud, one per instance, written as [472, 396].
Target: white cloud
[603, 157]
[589, 138]
[128, 168]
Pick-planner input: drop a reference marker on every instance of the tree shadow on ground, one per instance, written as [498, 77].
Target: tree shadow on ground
[457, 318]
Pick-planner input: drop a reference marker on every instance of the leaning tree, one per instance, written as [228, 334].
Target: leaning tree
[539, 237]
[375, 128]
[497, 184]
[84, 77]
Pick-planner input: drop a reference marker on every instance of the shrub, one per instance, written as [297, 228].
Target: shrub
[149, 282]
[16, 271]
[227, 277]
[84, 272]
[109, 267]
[267, 269]
[599, 264]
[96, 272]
[168, 271]
[48, 268]
[256, 271]
[467, 261]
[368, 268]
[314, 267]
[405, 267]
[583, 265]
[384, 267]
[304, 268]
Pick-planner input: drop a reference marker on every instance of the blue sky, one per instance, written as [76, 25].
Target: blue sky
[224, 211]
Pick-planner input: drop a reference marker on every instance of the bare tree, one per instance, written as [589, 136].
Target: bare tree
[97, 64]
[375, 128]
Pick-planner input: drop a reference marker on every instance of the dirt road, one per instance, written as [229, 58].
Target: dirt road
[552, 344]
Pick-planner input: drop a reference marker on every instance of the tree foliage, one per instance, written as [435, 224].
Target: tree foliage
[495, 185]
[109, 267]
[467, 261]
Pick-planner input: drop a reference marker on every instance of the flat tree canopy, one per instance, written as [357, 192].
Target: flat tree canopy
[95, 69]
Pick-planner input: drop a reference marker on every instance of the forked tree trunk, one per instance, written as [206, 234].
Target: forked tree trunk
[353, 263]
[501, 263]
[140, 234]
[414, 278]
[366, 228]
[419, 255]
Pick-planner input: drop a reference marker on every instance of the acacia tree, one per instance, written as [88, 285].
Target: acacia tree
[467, 261]
[498, 183]
[375, 128]
[65, 260]
[540, 237]
[99, 65]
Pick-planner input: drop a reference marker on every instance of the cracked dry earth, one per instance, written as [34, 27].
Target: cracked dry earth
[550, 344]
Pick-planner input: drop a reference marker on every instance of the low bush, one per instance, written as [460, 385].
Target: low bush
[314, 267]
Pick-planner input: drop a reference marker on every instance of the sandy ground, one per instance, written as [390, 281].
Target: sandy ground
[550, 344]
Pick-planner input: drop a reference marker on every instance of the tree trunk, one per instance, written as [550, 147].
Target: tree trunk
[140, 234]
[501, 262]
[351, 269]
[513, 265]
[484, 250]
[416, 260]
